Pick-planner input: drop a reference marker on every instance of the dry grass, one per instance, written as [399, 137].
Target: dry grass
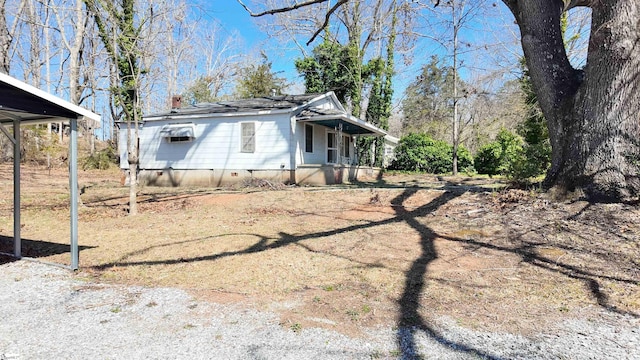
[400, 252]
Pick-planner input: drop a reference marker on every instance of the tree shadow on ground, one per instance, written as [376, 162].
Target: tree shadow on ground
[410, 321]
[409, 302]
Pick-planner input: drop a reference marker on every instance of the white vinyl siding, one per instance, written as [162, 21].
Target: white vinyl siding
[218, 144]
[318, 155]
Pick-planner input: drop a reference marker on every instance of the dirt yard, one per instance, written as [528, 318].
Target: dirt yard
[396, 252]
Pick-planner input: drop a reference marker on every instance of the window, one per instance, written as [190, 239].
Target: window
[248, 137]
[173, 139]
[332, 148]
[308, 138]
[346, 147]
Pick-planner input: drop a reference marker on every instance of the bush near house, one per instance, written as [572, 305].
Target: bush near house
[498, 157]
[511, 156]
[419, 152]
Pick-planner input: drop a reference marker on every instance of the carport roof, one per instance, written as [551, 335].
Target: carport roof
[22, 104]
[34, 106]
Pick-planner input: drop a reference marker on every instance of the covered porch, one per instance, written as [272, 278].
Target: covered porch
[328, 148]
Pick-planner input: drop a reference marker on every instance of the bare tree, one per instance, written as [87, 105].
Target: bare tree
[120, 28]
[5, 39]
[178, 50]
[362, 26]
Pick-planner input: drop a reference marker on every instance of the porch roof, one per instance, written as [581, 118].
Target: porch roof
[333, 118]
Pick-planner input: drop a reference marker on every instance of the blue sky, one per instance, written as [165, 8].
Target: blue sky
[233, 17]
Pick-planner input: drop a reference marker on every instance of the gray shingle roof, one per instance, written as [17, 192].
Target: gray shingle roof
[243, 105]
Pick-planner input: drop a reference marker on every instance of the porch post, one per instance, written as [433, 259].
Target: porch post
[340, 145]
[17, 241]
[356, 157]
[73, 188]
[372, 159]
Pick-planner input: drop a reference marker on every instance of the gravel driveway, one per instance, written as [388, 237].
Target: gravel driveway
[47, 314]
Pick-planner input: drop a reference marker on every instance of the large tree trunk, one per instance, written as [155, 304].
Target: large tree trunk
[591, 113]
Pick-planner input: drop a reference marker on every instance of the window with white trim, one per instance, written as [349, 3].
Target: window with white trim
[345, 151]
[248, 140]
[332, 147]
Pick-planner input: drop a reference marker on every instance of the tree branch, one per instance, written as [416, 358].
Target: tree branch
[327, 16]
[326, 20]
[570, 4]
[284, 9]
[554, 78]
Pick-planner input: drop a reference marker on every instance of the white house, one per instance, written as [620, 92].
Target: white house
[390, 144]
[303, 139]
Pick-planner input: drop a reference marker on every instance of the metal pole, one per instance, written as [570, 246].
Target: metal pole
[73, 187]
[17, 241]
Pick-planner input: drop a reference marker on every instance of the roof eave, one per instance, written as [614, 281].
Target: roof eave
[185, 116]
[374, 130]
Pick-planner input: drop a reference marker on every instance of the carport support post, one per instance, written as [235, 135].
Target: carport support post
[73, 190]
[17, 242]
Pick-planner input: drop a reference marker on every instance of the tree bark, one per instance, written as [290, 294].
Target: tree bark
[5, 40]
[593, 128]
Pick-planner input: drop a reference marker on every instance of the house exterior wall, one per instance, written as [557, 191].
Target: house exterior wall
[217, 145]
[319, 154]
[334, 174]
[214, 156]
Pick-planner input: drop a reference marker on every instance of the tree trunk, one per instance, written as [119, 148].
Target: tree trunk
[133, 188]
[456, 140]
[591, 113]
[5, 40]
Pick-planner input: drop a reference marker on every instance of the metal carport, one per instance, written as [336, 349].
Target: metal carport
[23, 104]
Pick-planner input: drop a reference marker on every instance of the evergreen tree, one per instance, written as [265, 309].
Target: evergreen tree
[199, 91]
[427, 106]
[327, 70]
[257, 81]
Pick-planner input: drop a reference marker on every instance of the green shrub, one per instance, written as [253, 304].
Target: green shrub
[504, 156]
[465, 160]
[421, 153]
[510, 155]
[487, 160]
[100, 160]
[534, 161]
